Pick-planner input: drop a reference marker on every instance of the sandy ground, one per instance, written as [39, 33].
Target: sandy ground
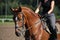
[7, 32]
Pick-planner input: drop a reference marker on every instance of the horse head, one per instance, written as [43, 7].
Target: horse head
[18, 19]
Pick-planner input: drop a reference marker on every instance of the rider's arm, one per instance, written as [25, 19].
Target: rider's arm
[52, 7]
[38, 8]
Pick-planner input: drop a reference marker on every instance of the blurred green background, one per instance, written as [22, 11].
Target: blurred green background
[5, 12]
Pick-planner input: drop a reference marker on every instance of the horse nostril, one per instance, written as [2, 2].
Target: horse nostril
[17, 32]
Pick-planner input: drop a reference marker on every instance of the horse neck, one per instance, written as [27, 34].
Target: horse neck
[30, 16]
[29, 13]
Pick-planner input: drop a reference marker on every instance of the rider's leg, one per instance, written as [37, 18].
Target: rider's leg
[51, 25]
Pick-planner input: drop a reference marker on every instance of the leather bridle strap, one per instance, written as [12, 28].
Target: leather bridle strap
[16, 20]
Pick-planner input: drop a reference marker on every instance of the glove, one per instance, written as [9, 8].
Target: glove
[44, 15]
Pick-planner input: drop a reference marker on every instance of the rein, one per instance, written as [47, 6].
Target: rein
[32, 25]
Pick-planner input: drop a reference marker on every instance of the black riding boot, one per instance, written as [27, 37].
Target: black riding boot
[53, 36]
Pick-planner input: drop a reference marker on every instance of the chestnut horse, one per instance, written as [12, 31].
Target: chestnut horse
[26, 16]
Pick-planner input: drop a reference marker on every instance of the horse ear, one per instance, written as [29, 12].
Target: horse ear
[20, 9]
[12, 9]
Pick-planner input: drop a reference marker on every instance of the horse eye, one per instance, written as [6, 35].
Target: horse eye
[19, 19]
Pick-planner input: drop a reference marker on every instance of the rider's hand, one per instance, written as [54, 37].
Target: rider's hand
[44, 15]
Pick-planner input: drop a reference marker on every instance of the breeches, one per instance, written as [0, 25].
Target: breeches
[51, 23]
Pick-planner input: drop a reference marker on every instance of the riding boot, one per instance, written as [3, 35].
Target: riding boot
[53, 36]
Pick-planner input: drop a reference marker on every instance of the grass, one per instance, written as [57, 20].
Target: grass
[6, 16]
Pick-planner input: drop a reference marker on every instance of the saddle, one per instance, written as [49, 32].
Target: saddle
[45, 26]
[43, 20]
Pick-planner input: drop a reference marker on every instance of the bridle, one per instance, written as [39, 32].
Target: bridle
[16, 23]
[16, 19]
[23, 25]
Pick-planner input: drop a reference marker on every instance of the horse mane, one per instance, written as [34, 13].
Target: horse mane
[26, 8]
[30, 10]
